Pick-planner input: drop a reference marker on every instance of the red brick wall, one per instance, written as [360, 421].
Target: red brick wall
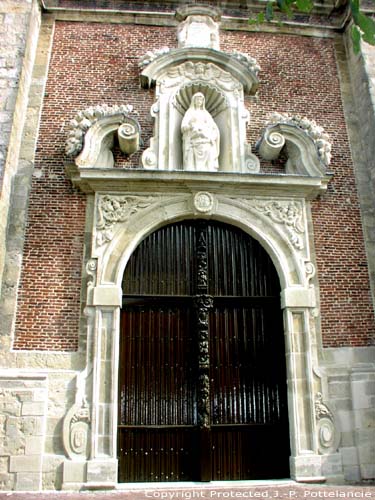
[96, 63]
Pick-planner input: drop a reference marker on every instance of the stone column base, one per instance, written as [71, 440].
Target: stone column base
[307, 468]
[92, 474]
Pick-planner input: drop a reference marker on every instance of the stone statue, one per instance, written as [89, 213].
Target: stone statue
[200, 137]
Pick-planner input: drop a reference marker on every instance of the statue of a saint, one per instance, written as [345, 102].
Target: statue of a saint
[200, 137]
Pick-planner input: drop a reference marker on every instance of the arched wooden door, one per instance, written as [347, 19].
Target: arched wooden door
[202, 378]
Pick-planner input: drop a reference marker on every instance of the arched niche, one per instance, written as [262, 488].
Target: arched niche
[224, 95]
[216, 103]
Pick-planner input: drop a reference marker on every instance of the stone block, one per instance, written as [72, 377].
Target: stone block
[365, 418]
[33, 445]
[364, 436]
[361, 399]
[352, 474]
[343, 404]
[367, 453]
[74, 472]
[306, 468]
[23, 463]
[368, 471]
[345, 420]
[23, 395]
[27, 481]
[6, 481]
[332, 465]
[34, 408]
[102, 471]
[10, 408]
[349, 456]
[32, 426]
[339, 389]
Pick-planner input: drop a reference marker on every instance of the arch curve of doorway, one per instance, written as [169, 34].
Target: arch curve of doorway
[248, 215]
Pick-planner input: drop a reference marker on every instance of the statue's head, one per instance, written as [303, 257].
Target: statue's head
[198, 100]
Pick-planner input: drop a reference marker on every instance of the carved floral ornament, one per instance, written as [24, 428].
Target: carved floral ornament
[112, 209]
[250, 63]
[288, 213]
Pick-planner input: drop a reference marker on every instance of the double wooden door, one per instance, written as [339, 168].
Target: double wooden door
[202, 380]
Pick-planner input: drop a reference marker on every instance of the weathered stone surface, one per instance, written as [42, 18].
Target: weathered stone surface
[27, 481]
[23, 463]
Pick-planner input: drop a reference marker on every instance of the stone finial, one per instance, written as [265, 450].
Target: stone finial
[199, 27]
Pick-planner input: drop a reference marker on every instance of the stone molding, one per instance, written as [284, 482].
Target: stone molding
[133, 214]
[91, 180]
[198, 10]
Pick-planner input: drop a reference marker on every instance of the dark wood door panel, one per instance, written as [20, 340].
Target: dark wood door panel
[202, 382]
[157, 454]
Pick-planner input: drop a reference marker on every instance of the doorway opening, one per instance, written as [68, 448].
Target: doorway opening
[202, 372]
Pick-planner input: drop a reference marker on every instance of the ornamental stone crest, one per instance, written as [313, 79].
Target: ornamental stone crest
[76, 431]
[217, 141]
[83, 120]
[306, 144]
[328, 435]
[311, 128]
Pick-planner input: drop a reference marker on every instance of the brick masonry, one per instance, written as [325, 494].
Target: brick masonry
[96, 63]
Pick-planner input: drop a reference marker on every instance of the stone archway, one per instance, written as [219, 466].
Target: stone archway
[280, 224]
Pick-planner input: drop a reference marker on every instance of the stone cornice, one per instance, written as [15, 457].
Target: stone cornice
[301, 24]
[91, 180]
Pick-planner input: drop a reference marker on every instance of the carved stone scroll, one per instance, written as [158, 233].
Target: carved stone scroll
[328, 434]
[76, 431]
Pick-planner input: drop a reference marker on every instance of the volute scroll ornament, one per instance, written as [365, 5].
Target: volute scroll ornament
[92, 132]
[307, 145]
